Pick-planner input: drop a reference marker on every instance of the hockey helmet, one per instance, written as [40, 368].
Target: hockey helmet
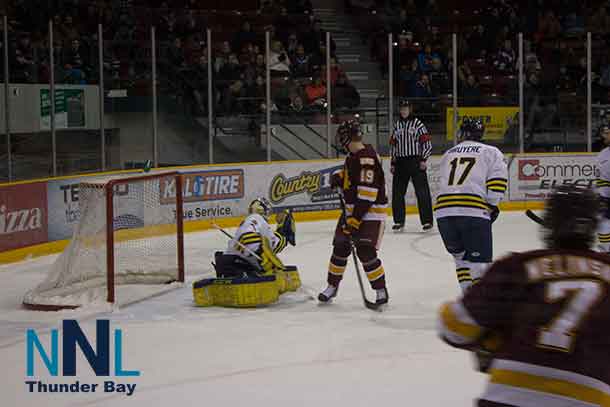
[472, 129]
[571, 217]
[261, 206]
[347, 132]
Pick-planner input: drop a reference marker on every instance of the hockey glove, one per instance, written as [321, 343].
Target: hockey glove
[351, 225]
[286, 226]
[269, 261]
[494, 212]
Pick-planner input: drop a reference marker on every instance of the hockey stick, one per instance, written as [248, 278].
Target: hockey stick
[530, 214]
[246, 248]
[370, 305]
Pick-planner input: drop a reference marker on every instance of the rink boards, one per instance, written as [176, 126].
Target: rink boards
[37, 217]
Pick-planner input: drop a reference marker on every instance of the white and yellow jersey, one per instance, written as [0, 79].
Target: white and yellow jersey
[250, 234]
[473, 177]
[603, 181]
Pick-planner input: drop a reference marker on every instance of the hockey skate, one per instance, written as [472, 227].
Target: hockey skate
[427, 226]
[398, 227]
[328, 294]
[382, 296]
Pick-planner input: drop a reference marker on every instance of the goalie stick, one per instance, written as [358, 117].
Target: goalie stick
[369, 304]
[530, 214]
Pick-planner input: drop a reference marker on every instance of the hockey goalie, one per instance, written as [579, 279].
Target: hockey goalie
[249, 272]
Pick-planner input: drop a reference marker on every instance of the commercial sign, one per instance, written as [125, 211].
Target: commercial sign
[533, 177]
[69, 108]
[497, 120]
[23, 215]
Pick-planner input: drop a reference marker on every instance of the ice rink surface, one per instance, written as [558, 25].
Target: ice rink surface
[294, 353]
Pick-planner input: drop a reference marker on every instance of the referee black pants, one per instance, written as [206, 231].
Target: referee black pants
[407, 169]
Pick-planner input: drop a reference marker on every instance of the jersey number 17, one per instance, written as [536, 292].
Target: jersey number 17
[468, 162]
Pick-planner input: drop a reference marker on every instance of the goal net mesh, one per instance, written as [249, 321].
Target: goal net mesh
[145, 248]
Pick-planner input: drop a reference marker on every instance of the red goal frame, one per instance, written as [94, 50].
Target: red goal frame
[110, 252]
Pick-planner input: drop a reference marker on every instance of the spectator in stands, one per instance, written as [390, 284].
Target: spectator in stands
[231, 102]
[300, 63]
[549, 26]
[278, 58]
[281, 67]
[505, 58]
[471, 92]
[230, 72]
[345, 94]
[244, 36]
[167, 25]
[297, 111]
[23, 67]
[540, 105]
[425, 58]
[422, 87]
[256, 94]
[408, 77]
[600, 21]
[190, 25]
[68, 29]
[316, 92]
[198, 81]
[439, 78]
[312, 39]
[292, 45]
[76, 56]
[476, 41]
[223, 56]
[335, 70]
[300, 7]
[176, 54]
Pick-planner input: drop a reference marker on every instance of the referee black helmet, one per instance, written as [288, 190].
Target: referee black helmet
[472, 129]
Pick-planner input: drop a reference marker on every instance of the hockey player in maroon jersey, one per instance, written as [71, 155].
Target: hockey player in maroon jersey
[543, 316]
[362, 182]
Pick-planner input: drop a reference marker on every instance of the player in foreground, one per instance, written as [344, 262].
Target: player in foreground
[473, 182]
[603, 189]
[255, 236]
[543, 315]
[362, 183]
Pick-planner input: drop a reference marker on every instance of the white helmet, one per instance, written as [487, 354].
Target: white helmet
[261, 206]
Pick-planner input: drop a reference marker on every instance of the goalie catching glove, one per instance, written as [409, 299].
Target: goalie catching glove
[286, 226]
[270, 263]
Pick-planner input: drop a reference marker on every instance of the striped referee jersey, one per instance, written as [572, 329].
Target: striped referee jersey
[410, 138]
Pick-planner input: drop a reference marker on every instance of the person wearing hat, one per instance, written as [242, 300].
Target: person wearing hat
[410, 147]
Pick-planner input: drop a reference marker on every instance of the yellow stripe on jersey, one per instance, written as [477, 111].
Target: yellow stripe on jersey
[501, 182]
[460, 204]
[249, 238]
[453, 324]
[550, 385]
[367, 193]
[462, 197]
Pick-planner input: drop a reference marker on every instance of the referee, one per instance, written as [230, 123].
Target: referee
[410, 147]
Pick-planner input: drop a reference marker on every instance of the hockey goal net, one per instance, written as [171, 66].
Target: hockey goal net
[130, 233]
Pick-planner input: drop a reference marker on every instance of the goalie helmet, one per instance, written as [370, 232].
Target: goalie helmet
[347, 132]
[571, 217]
[260, 206]
[472, 129]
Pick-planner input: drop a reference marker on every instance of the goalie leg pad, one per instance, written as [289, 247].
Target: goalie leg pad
[292, 278]
[236, 292]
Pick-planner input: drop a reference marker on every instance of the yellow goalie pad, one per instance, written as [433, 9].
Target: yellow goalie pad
[241, 293]
[288, 279]
[245, 292]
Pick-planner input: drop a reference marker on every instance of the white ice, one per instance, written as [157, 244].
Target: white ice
[295, 353]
